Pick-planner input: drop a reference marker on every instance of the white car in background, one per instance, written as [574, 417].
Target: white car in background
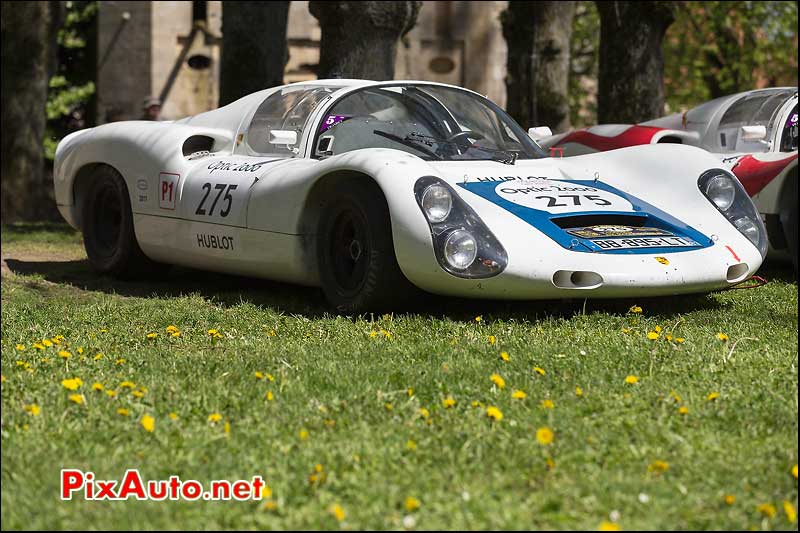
[372, 190]
[753, 133]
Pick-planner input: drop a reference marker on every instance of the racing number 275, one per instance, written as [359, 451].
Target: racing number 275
[221, 188]
[576, 199]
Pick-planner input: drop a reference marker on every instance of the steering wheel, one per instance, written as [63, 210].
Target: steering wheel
[465, 135]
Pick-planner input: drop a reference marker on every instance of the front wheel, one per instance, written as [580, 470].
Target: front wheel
[355, 252]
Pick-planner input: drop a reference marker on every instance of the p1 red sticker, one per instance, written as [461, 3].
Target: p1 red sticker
[167, 189]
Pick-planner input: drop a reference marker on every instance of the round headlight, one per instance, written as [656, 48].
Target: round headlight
[436, 203]
[460, 249]
[722, 191]
[748, 228]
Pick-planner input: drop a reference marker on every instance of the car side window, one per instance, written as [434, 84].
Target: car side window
[283, 112]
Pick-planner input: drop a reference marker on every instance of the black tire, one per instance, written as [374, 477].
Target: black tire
[108, 233]
[789, 220]
[355, 252]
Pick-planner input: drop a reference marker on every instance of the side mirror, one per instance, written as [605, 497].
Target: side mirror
[282, 137]
[539, 132]
[753, 133]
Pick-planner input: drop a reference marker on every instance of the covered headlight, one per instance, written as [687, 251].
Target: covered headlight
[436, 202]
[725, 192]
[460, 249]
[721, 190]
[462, 243]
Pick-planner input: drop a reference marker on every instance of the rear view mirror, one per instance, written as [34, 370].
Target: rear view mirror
[539, 132]
[282, 137]
[753, 133]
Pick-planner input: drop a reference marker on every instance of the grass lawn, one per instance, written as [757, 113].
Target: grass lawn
[365, 399]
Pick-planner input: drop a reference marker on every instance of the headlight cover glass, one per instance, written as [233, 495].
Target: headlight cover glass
[462, 243]
[716, 185]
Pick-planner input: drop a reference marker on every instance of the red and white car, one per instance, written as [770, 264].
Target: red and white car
[754, 134]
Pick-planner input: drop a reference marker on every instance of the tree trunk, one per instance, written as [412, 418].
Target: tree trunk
[537, 80]
[254, 52]
[359, 39]
[28, 51]
[631, 65]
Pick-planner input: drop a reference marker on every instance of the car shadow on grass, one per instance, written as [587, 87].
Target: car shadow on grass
[229, 290]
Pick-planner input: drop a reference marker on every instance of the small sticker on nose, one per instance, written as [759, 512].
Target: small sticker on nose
[662, 260]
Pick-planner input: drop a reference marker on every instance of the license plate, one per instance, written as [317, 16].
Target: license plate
[643, 242]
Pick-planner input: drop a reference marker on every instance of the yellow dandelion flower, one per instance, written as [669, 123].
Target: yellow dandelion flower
[79, 350]
[675, 396]
[504, 356]
[337, 512]
[76, 398]
[424, 413]
[652, 335]
[171, 329]
[373, 334]
[2, 378]
[658, 329]
[608, 526]
[47, 343]
[680, 340]
[712, 396]
[794, 471]
[494, 413]
[303, 434]
[111, 393]
[658, 467]
[226, 428]
[98, 357]
[790, 511]
[519, 395]
[20, 347]
[722, 337]
[148, 423]
[626, 330]
[631, 380]
[767, 509]
[547, 404]
[213, 332]
[152, 336]
[38, 346]
[411, 445]
[635, 309]
[449, 402]
[175, 334]
[478, 318]
[138, 394]
[173, 416]
[123, 412]
[729, 499]
[498, 381]
[64, 354]
[683, 410]
[214, 417]
[410, 392]
[32, 409]
[127, 385]
[476, 403]
[270, 396]
[97, 387]
[266, 492]
[258, 375]
[578, 392]
[539, 370]
[668, 337]
[72, 384]
[544, 436]
[120, 361]
[411, 503]
[492, 339]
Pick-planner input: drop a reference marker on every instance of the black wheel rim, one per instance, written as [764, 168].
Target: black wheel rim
[107, 220]
[349, 249]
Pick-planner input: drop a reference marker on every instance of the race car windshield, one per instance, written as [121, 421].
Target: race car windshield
[431, 122]
[761, 108]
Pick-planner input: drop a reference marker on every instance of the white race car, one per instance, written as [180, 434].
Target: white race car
[373, 190]
[753, 133]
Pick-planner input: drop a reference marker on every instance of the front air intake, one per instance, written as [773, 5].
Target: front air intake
[577, 279]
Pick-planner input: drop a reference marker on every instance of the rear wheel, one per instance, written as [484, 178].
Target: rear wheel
[108, 233]
[355, 252]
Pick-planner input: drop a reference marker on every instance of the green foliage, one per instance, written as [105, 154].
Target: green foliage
[719, 48]
[72, 86]
[584, 48]
[348, 389]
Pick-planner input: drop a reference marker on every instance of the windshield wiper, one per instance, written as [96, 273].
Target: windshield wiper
[408, 141]
[507, 157]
